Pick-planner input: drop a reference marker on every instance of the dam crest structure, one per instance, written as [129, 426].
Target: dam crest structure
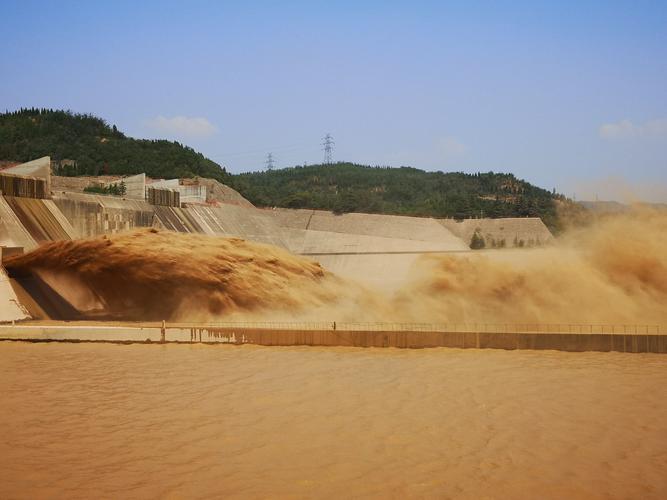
[37, 207]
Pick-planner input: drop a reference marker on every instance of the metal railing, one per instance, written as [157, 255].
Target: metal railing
[570, 328]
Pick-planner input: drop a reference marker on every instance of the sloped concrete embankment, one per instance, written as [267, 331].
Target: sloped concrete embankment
[40, 218]
[12, 232]
[10, 307]
[505, 232]
[378, 250]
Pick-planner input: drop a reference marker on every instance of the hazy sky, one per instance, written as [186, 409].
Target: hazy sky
[566, 94]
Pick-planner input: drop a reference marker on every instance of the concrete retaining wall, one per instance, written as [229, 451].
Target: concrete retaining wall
[39, 168]
[631, 343]
[27, 187]
[12, 231]
[135, 186]
[91, 217]
[10, 308]
[220, 221]
[178, 219]
[480, 340]
[42, 219]
[192, 194]
[505, 232]
[163, 197]
[189, 193]
[383, 226]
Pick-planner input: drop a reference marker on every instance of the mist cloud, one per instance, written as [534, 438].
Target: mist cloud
[625, 129]
[183, 126]
[450, 147]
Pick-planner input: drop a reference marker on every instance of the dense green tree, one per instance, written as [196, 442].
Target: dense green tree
[346, 187]
[27, 134]
[477, 241]
[99, 148]
[115, 189]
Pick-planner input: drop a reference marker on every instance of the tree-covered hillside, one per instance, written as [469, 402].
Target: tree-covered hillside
[97, 147]
[346, 187]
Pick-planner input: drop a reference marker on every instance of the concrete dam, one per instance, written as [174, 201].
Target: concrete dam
[359, 245]
[375, 250]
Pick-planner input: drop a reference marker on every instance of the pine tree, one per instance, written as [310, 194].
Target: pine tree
[477, 241]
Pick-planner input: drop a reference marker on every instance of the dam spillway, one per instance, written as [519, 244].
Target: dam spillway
[373, 249]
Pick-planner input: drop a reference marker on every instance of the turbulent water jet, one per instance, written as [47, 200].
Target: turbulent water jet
[150, 274]
[613, 271]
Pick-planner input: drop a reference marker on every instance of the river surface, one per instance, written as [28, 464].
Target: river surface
[197, 421]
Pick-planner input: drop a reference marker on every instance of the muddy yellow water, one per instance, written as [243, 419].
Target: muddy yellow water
[138, 421]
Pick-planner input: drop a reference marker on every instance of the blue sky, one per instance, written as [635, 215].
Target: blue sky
[571, 95]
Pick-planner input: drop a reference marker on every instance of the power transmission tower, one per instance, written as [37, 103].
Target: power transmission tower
[328, 149]
[270, 161]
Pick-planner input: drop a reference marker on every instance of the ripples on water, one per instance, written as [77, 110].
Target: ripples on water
[91, 421]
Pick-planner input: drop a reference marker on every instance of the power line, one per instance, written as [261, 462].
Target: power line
[303, 146]
[328, 149]
[270, 161]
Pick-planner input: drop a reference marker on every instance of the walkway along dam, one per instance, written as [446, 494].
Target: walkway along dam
[573, 338]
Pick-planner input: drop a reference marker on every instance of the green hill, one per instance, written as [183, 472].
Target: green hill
[97, 147]
[343, 187]
[346, 187]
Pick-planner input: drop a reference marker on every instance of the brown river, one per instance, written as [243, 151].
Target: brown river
[197, 421]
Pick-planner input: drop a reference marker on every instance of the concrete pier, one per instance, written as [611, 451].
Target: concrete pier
[574, 342]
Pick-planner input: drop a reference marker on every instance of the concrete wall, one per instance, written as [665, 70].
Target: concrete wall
[176, 219]
[10, 309]
[313, 242]
[224, 220]
[135, 186]
[386, 226]
[92, 215]
[27, 187]
[42, 219]
[39, 168]
[164, 184]
[377, 261]
[290, 218]
[77, 184]
[377, 250]
[192, 194]
[189, 193]
[577, 342]
[241, 221]
[163, 197]
[217, 192]
[529, 230]
[653, 343]
[12, 232]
